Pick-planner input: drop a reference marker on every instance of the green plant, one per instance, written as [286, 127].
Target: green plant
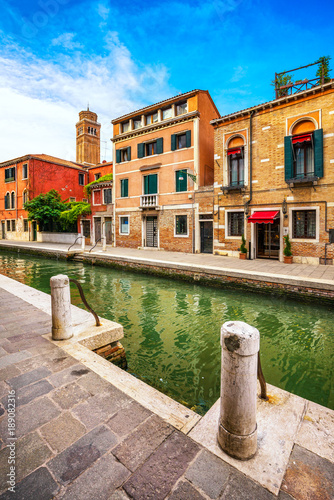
[280, 81]
[243, 248]
[46, 209]
[323, 70]
[69, 217]
[104, 178]
[287, 249]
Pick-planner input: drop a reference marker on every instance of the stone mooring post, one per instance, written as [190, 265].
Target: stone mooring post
[83, 242]
[61, 307]
[237, 431]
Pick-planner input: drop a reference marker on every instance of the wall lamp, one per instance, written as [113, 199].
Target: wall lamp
[285, 209]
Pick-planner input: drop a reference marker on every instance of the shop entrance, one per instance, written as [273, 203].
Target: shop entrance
[268, 240]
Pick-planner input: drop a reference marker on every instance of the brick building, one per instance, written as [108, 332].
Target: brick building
[163, 178]
[274, 175]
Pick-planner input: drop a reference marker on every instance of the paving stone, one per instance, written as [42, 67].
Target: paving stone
[134, 450]
[157, 476]
[68, 375]
[3, 352]
[31, 416]
[284, 496]
[31, 392]
[308, 476]
[63, 431]
[69, 395]
[31, 487]
[185, 491]
[31, 453]
[119, 495]
[54, 359]
[4, 389]
[28, 378]
[99, 408]
[240, 487]
[99, 481]
[94, 384]
[128, 418]
[209, 473]
[10, 359]
[69, 464]
[26, 344]
[9, 372]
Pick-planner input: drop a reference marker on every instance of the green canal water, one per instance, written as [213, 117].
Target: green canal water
[172, 329]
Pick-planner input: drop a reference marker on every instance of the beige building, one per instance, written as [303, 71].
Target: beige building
[274, 176]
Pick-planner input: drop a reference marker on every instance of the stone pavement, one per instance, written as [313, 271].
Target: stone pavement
[79, 437]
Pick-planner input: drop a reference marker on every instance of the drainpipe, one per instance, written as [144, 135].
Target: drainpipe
[250, 170]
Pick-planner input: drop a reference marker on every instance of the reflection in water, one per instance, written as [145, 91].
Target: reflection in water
[172, 329]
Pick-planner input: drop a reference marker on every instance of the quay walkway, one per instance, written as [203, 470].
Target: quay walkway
[77, 435]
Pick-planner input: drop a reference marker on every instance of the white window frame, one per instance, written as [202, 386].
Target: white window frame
[227, 235]
[10, 200]
[181, 235]
[72, 199]
[25, 165]
[93, 200]
[317, 224]
[103, 191]
[120, 225]
[25, 193]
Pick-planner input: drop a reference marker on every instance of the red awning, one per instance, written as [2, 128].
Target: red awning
[263, 217]
[302, 138]
[234, 151]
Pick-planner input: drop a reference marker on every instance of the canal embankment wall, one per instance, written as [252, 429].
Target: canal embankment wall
[295, 281]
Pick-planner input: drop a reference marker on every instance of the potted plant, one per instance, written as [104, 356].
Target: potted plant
[287, 250]
[243, 249]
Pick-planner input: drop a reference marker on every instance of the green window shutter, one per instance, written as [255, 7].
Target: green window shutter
[129, 153]
[173, 142]
[288, 158]
[124, 188]
[146, 184]
[153, 184]
[118, 156]
[181, 180]
[318, 153]
[188, 138]
[160, 146]
[141, 150]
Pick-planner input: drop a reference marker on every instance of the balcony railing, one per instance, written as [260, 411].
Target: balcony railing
[234, 186]
[149, 201]
[303, 178]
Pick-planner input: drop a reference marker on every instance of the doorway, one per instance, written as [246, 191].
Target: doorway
[206, 229]
[268, 240]
[152, 231]
[108, 229]
[86, 231]
[97, 229]
[3, 230]
[34, 230]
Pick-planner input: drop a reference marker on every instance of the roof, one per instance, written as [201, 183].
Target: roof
[273, 103]
[44, 157]
[161, 103]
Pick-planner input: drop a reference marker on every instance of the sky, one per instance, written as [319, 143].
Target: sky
[58, 56]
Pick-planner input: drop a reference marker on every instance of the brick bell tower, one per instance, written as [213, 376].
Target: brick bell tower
[88, 138]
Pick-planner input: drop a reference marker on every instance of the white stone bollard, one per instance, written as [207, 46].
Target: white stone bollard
[83, 242]
[104, 248]
[61, 307]
[237, 432]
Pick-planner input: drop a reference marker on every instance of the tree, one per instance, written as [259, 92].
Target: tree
[324, 70]
[280, 81]
[69, 217]
[46, 210]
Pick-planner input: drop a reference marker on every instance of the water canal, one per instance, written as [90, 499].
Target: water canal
[172, 329]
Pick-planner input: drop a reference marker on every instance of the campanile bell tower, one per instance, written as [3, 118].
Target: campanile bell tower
[88, 138]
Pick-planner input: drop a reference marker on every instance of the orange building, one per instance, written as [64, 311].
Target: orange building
[164, 172]
[275, 177]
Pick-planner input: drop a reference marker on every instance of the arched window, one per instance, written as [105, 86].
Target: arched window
[25, 196]
[13, 199]
[235, 162]
[303, 149]
[7, 201]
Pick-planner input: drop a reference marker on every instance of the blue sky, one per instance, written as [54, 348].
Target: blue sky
[58, 55]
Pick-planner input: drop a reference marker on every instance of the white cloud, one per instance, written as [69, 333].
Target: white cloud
[66, 40]
[239, 73]
[42, 98]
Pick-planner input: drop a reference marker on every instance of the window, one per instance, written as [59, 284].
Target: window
[97, 176]
[12, 199]
[181, 225]
[150, 148]
[123, 154]
[304, 224]
[125, 127]
[180, 141]
[8, 225]
[235, 161]
[153, 118]
[80, 130]
[92, 131]
[10, 174]
[167, 113]
[124, 188]
[7, 201]
[136, 123]
[181, 181]
[24, 196]
[181, 108]
[303, 156]
[235, 223]
[151, 184]
[107, 200]
[25, 171]
[13, 225]
[81, 179]
[124, 225]
[25, 225]
[71, 199]
[84, 200]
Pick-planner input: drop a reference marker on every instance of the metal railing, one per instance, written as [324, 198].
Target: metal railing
[261, 378]
[100, 239]
[76, 239]
[83, 298]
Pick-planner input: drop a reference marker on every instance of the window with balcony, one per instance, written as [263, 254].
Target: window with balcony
[107, 198]
[235, 223]
[152, 118]
[25, 171]
[304, 224]
[150, 148]
[181, 108]
[124, 188]
[181, 181]
[151, 184]
[124, 225]
[123, 154]
[181, 225]
[235, 163]
[10, 174]
[180, 141]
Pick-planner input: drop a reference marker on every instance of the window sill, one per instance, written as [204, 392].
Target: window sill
[228, 189]
[302, 180]
[304, 240]
[181, 235]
